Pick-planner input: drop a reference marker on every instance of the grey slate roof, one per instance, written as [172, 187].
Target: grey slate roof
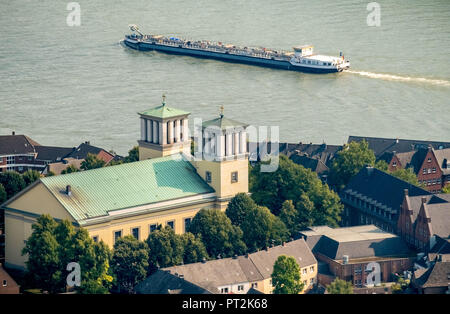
[221, 272]
[52, 153]
[443, 159]
[440, 219]
[438, 275]
[83, 150]
[163, 282]
[366, 241]
[16, 144]
[315, 165]
[381, 146]
[323, 152]
[412, 159]
[264, 260]
[382, 187]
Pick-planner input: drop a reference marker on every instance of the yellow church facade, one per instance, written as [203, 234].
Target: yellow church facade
[167, 186]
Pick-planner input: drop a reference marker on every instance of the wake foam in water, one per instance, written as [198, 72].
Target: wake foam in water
[391, 77]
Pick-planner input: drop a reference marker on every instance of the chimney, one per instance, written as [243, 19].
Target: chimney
[13, 132]
[235, 256]
[369, 170]
[203, 260]
[283, 244]
[68, 190]
[424, 200]
[406, 191]
[439, 258]
[396, 140]
[246, 255]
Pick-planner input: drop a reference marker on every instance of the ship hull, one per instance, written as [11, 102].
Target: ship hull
[276, 64]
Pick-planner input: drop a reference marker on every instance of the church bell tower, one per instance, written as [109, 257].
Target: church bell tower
[164, 131]
[224, 162]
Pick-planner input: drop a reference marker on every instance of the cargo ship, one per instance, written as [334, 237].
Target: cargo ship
[302, 58]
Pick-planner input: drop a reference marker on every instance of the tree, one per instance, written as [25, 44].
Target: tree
[445, 189]
[218, 234]
[133, 155]
[194, 249]
[314, 201]
[407, 175]
[349, 161]
[2, 194]
[165, 248]
[70, 169]
[382, 165]
[13, 182]
[238, 208]
[289, 215]
[129, 262]
[52, 246]
[261, 228]
[30, 176]
[43, 255]
[339, 286]
[92, 162]
[286, 276]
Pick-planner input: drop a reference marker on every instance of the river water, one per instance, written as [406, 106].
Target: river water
[62, 85]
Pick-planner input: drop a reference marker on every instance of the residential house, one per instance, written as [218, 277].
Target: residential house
[374, 197]
[434, 172]
[7, 283]
[422, 218]
[434, 279]
[385, 148]
[166, 187]
[408, 160]
[234, 275]
[317, 157]
[17, 153]
[348, 252]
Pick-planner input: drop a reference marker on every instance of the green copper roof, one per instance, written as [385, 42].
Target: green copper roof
[163, 112]
[223, 123]
[98, 191]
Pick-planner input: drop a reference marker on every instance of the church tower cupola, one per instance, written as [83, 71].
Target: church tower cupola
[224, 162]
[164, 131]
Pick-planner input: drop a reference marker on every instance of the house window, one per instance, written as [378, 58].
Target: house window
[187, 222]
[224, 290]
[153, 227]
[429, 170]
[95, 239]
[305, 271]
[208, 176]
[135, 233]
[20, 168]
[240, 288]
[234, 177]
[5, 283]
[434, 170]
[171, 224]
[429, 159]
[30, 158]
[394, 164]
[117, 235]
[424, 170]
[10, 159]
[311, 269]
[255, 285]
[311, 281]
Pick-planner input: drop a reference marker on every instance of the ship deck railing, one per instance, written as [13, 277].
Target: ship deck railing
[280, 56]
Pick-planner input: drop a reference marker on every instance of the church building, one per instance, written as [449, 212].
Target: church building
[167, 186]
